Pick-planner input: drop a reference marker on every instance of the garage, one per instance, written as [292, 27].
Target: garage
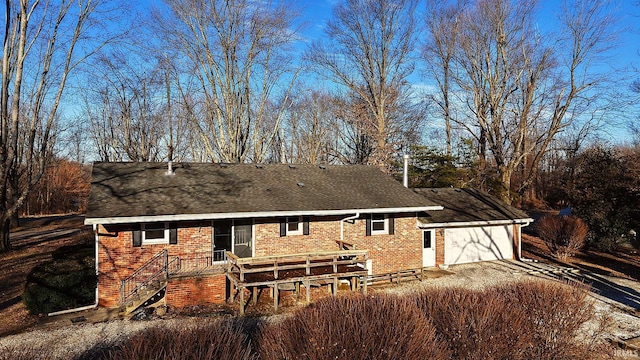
[472, 226]
[481, 243]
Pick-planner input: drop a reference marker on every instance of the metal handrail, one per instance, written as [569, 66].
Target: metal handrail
[141, 277]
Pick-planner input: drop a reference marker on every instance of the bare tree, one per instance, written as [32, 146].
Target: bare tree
[40, 50]
[443, 24]
[368, 48]
[127, 107]
[520, 89]
[237, 52]
[309, 125]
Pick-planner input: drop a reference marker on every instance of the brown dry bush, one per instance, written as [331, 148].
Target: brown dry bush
[474, 324]
[555, 315]
[354, 327]
[22, 353]
[210, 339]
[526, 320]
[563, 235]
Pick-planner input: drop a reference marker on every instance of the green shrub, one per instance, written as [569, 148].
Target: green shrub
[68, 281]
[354, 327]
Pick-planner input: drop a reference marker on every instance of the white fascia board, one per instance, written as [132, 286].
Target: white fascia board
[244, 215]
[473, 223]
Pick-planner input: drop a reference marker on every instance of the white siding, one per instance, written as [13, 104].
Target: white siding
[464, 245]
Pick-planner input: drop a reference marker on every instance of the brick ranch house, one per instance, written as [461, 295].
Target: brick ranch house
[151, 216]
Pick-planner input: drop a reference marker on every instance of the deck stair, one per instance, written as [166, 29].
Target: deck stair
[146, 285]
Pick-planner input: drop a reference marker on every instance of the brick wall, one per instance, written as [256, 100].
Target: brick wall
[188, 291]
[439, 247]
[117, 258]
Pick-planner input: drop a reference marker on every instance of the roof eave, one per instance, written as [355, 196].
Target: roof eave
[424, 225]
[244, 215]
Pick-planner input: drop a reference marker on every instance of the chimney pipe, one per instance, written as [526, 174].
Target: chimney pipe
[170, 168]
[405, 175]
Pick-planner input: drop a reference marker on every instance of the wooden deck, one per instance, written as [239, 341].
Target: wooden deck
[289, 272]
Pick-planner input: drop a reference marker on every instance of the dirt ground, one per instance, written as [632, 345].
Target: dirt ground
[33, 243]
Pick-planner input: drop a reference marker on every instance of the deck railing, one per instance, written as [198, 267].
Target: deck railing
[153, 270]
[210, 261]
[307, 261]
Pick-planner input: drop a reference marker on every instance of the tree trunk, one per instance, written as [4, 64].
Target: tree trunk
[5, 243]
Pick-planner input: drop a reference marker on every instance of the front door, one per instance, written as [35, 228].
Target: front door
[428, 248]
[232, 235]
[243, 238]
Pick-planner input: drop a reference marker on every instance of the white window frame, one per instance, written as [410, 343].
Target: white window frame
[300, 230]
[164, 240]
[385, 220]
[433, 238]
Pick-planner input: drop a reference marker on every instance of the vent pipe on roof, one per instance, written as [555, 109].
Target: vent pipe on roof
[170, 168]
[405, 174]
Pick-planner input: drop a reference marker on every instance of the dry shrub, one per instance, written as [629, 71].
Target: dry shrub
[527, 320]
[555, 313]
[354, 327]
[563, 235]
[13, 352]
[474, 324]
[220, 340]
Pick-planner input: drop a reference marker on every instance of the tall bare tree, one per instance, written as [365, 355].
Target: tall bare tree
[238, 53]
[40, 51]
[443, 22]
[368, 52]
[521, 89]
[127, 107]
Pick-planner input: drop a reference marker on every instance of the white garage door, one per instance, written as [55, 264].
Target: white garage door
[464, 245]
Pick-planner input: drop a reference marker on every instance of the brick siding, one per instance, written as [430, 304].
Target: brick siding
[117, 258]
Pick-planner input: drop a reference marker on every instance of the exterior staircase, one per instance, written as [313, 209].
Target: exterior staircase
[146, 286]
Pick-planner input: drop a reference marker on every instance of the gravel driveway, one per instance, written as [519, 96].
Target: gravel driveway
[616, 297]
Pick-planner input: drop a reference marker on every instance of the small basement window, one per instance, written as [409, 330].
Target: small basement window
[294, 225]
[379, 224]
[155, 233]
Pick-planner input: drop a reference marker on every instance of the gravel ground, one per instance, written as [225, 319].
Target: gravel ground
[72, 340]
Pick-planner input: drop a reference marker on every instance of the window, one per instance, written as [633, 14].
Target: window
[427, 239]
[294, 225]
[155, 233]
[379, 224]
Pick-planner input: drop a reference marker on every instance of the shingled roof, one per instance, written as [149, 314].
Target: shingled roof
[468, 206]
[131, 192]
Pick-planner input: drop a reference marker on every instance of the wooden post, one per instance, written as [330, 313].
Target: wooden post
[308, 268]
[353, 283]
[364, 284]
[255, 295]
[335, 264]
[335, 286]
[241, 301]
[297, 289]
[307, 285]
[276, 294]
[275, 269]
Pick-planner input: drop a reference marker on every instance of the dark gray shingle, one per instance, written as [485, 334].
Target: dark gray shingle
[143, 189]
[466, 205]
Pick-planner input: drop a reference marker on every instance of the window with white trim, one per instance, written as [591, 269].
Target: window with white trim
[379, 224]
[294, 225]
[155, 233]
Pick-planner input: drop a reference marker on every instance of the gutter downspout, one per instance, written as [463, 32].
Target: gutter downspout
[520, 244]
[357, 215]
[95, 304]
